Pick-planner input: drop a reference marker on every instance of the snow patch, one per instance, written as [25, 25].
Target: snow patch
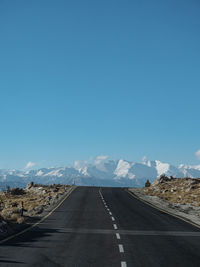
[122, 168]
[54, 173]
[39, 173]
[162, 167]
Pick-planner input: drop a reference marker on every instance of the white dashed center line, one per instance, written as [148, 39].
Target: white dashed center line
[121, 248]
[115, 226]
[118, 235]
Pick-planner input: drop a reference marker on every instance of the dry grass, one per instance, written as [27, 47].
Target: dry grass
[179, 190]
[37, 196]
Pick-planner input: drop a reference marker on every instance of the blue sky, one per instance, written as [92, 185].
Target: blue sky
[85, 78]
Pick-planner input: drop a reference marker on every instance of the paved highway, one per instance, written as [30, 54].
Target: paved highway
[105, 227]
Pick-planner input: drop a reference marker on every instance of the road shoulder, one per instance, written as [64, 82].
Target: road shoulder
[165, 207]
[34, 221]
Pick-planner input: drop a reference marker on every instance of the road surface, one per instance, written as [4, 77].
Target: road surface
[105, 227]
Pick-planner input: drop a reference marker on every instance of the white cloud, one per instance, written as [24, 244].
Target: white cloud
[30, 164]
[100, 159]
[79, 164]
[197, 154]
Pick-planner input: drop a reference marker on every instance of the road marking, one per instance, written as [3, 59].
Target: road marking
[123, 264]
[45, 217]
[113, 219]
[118, 236]
[115, 226]
[110, 213]
[121, 248]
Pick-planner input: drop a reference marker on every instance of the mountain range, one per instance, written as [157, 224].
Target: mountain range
[100, 172]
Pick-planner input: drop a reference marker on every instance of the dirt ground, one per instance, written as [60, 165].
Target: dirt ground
[30, 201]
[177, 190]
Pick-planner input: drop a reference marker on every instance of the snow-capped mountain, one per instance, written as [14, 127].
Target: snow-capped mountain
[100, 172]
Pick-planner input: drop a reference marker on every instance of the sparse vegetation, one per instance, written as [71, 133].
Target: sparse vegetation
[176, 190]
[15, 191]
[33, 200]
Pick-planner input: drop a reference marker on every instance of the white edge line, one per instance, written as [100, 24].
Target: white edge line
[35, 224]
[160, 209]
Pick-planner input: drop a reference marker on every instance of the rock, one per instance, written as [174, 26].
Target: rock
[163, 178]
[14, 204]
[187, 190]
[165, 191]
[17, 191]
[173, 190]
[56, 189]
[30, 185]
[38, 209]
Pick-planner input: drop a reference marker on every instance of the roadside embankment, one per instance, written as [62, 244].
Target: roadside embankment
[20, 208]
[177, 196]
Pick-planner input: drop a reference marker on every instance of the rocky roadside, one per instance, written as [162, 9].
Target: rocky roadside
[20, 208]
[177, 196]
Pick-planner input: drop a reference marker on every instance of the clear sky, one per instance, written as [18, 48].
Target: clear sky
[85, 78]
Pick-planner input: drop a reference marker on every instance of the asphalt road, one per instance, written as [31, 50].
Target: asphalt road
[106, 227]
